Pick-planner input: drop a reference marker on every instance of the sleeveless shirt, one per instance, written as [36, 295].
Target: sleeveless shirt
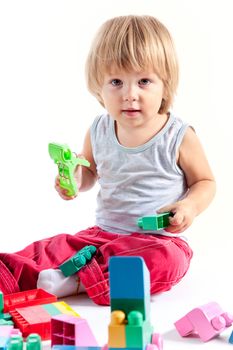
[135, 182]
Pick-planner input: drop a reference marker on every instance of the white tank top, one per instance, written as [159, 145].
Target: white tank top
[135, 182]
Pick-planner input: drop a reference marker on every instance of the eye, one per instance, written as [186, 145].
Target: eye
[116, 82]
[144, 81]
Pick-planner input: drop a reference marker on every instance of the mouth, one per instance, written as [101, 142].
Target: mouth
[130, 112]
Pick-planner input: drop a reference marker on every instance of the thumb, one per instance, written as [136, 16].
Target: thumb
[167, 208]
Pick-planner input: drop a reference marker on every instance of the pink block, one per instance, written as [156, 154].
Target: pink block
[70, 330]
[8, 330]
[208, 321]
[5, 331]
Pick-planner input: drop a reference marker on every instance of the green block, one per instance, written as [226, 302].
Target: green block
[5, 317]
[15, 342]
[1, 302]
[6, 323]
[67, 163]
[128, 305]
[51, 309]
[138, 332]
[154, 223]
[33, 342]
[77, 261]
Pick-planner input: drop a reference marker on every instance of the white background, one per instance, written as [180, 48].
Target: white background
[43, 98]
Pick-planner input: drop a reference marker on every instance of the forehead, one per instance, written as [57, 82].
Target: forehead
[116, 71]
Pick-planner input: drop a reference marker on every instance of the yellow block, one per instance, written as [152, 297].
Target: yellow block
[65, 308]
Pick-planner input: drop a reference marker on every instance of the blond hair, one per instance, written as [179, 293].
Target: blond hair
[133, 43]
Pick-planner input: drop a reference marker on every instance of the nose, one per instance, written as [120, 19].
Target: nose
[130, 94]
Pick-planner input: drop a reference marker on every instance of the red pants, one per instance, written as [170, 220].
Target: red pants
[167, 259]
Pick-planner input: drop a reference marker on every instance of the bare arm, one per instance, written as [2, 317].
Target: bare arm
[88, 176]
[200, 181]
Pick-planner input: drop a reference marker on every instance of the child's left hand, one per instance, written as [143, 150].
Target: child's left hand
[184, 214]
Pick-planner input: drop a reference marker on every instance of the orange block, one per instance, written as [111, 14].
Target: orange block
[116, 330]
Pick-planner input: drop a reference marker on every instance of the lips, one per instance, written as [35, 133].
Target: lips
[130, 110]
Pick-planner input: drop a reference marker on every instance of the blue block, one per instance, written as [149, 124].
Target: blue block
[231, 338]
[129, 285]
[129, 278]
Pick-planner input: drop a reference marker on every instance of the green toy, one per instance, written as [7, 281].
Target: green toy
[78, 260]
[67, 163]
[15, 342]
[33, 342]
[156, 222]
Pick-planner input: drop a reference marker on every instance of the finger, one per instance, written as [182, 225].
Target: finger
[177, 219]
[176, 229]
[168, 208]
[64, 196]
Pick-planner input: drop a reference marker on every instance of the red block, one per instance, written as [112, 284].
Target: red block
[34, 319]
[28, 298]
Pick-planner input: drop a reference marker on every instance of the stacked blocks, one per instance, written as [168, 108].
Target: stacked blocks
[154, 223]
[37, 318]
[208, 321]
[130, 326]
[77, 261]
[129, 285]
[69, 330]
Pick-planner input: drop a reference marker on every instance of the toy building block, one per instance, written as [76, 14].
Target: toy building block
[138, 332]
[130, 306]
[5, 333]
[69, 330]
[37, 318]
[5, 322]
[28, 298]
[231, 338]
[129, 285]
[67, 163]
[116, 330]
[15, 342]
[33, 342]
[207, 321]
[1, 302]
[5, 316]
[156, 222]
[77, 261]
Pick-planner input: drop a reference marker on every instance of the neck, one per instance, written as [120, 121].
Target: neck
[137, 136]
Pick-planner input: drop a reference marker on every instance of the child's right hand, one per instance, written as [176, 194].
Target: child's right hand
[78, 178]
[62, 191]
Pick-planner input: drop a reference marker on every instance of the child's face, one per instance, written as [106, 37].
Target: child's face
[132, 98]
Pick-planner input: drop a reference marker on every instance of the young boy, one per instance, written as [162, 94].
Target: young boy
[145, 159]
